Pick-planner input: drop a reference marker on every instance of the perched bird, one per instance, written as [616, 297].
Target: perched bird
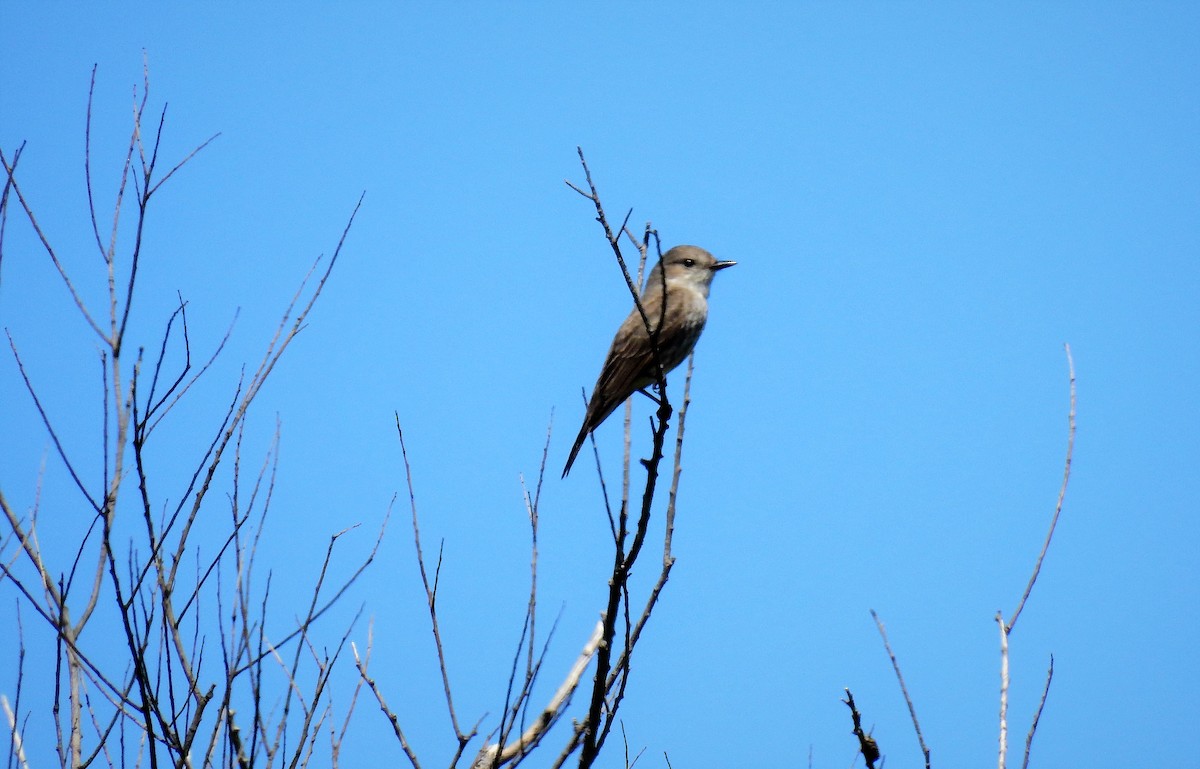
[682, 309]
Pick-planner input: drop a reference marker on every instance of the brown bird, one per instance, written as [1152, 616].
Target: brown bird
[630, 365]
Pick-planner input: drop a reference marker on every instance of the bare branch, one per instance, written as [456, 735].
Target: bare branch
[912, 711]
[4, 198]
[183, 162]
[62, 452]
[430, 592]
[1037, 716]
[87, 165]
[493, 755]
[361, 663]
[615, 242]
[18, 744]
[1003, 690]
[669, 559]
[866, 743]
[11, 183]
[163, 694]
[16, 731]
[1062, 493]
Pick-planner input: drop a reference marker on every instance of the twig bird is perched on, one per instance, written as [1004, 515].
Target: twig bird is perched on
[676, 294]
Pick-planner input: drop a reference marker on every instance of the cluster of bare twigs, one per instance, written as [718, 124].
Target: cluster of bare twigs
[522, 727]
[868, 746]
[163, 695]
[194, 677]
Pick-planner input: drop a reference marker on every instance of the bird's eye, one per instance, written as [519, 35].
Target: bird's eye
[689, 262]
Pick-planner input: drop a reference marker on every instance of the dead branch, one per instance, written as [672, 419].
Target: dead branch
[159, 695]
[912, 711]
[1062, 493]
[866, 743]
[431, 594]
[494, 755]
[362, 662]
[1037, 716]
[1007, 628]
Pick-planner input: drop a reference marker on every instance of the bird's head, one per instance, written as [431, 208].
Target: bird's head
[688, 265]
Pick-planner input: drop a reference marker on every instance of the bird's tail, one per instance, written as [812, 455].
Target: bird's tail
[583, 434]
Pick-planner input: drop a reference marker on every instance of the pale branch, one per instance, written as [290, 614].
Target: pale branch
[494, 755]
[1062, 492]
[1006, 628]
[1003, 691]
[18, 742]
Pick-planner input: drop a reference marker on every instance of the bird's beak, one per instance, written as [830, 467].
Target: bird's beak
[722, 265]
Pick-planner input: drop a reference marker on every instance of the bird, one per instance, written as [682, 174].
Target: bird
[675, 294]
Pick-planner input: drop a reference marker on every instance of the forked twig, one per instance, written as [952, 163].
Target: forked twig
[1062, 493]
[614, 240]
[11, 183]
[361, 662]
[4, 199]
[1007, 628]
[431, 594]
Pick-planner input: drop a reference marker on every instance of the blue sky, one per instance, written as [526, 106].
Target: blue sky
[925, 200]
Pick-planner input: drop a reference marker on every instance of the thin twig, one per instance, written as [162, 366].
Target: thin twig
[41, 410]
[672, 494]
[1037, 716]
[13, 712]
[912, 711]
[615, 242]
[361, 663]
[1062, 493]
[4, 199]
[9, 169]
[430, 590]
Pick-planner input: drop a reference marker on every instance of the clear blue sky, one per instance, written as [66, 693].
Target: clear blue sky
[925, 200]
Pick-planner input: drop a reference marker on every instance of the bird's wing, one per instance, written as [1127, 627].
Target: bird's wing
[628, 367]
